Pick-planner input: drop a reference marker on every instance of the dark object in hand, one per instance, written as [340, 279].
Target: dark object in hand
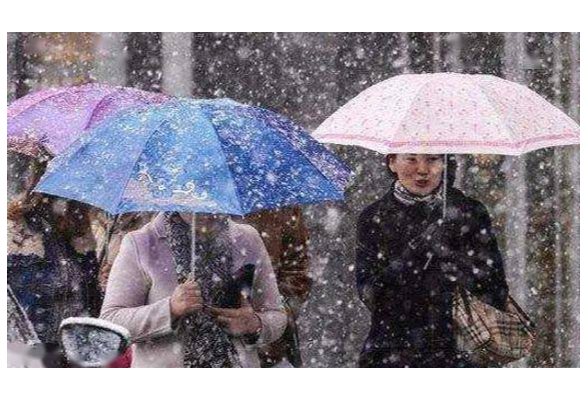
[241, 286]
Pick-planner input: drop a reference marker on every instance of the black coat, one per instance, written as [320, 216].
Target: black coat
[62, 283]
[411, 305]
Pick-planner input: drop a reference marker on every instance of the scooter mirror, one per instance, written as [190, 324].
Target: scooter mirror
[92, 342]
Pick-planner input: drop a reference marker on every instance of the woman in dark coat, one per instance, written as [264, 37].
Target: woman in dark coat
[409, 264]
[52, 266]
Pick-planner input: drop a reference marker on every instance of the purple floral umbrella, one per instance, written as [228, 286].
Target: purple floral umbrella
[50, 120]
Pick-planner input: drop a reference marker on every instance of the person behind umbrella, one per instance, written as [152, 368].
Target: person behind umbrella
[51, 263]
[286, 238]
[214, 316]
[411, 259]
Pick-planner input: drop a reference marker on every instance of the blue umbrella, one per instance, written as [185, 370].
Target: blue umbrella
[197, 156]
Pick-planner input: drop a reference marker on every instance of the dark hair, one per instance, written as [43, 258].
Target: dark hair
[26, 174]
[451, 168]
[29, 204]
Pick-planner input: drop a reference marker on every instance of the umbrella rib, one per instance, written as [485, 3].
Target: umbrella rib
[60, 91]
[116, 90]
[235, 187]
[412, 102]
[124, 187]
[304, 154]
[491, 101]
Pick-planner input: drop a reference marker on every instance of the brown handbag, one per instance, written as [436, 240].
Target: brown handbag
[488, 336]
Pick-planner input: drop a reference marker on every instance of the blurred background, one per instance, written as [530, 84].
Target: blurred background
[534, 200]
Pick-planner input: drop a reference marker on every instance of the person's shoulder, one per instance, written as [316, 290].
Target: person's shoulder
[143, 235]
[243, 231]
[369, 212]
[246, 239]
[377, 209]
[143, 244]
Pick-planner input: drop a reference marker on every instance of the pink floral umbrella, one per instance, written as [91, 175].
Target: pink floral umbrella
[50, 120]
[449, 113]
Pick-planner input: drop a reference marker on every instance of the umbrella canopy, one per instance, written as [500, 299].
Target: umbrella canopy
[449, 113]
[50, 120]
[199, 156]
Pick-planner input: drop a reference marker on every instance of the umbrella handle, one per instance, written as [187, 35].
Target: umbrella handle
[445, 187]
[430, 257]
[193, 245]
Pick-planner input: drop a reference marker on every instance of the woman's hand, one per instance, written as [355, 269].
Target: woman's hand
[238, 321]
[186, 299]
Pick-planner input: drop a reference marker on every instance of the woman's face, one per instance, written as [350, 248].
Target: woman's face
[421, 174]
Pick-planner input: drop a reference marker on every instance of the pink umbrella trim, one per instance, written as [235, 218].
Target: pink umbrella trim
[485, 143]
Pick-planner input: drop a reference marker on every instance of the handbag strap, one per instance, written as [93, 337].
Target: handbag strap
[460, 291]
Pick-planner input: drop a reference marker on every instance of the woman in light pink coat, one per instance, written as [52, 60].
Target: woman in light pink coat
[185, 302]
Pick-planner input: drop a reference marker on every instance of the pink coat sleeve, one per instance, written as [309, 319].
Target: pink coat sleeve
[125, 301]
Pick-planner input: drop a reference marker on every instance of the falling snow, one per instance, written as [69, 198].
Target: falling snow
[533, 200]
